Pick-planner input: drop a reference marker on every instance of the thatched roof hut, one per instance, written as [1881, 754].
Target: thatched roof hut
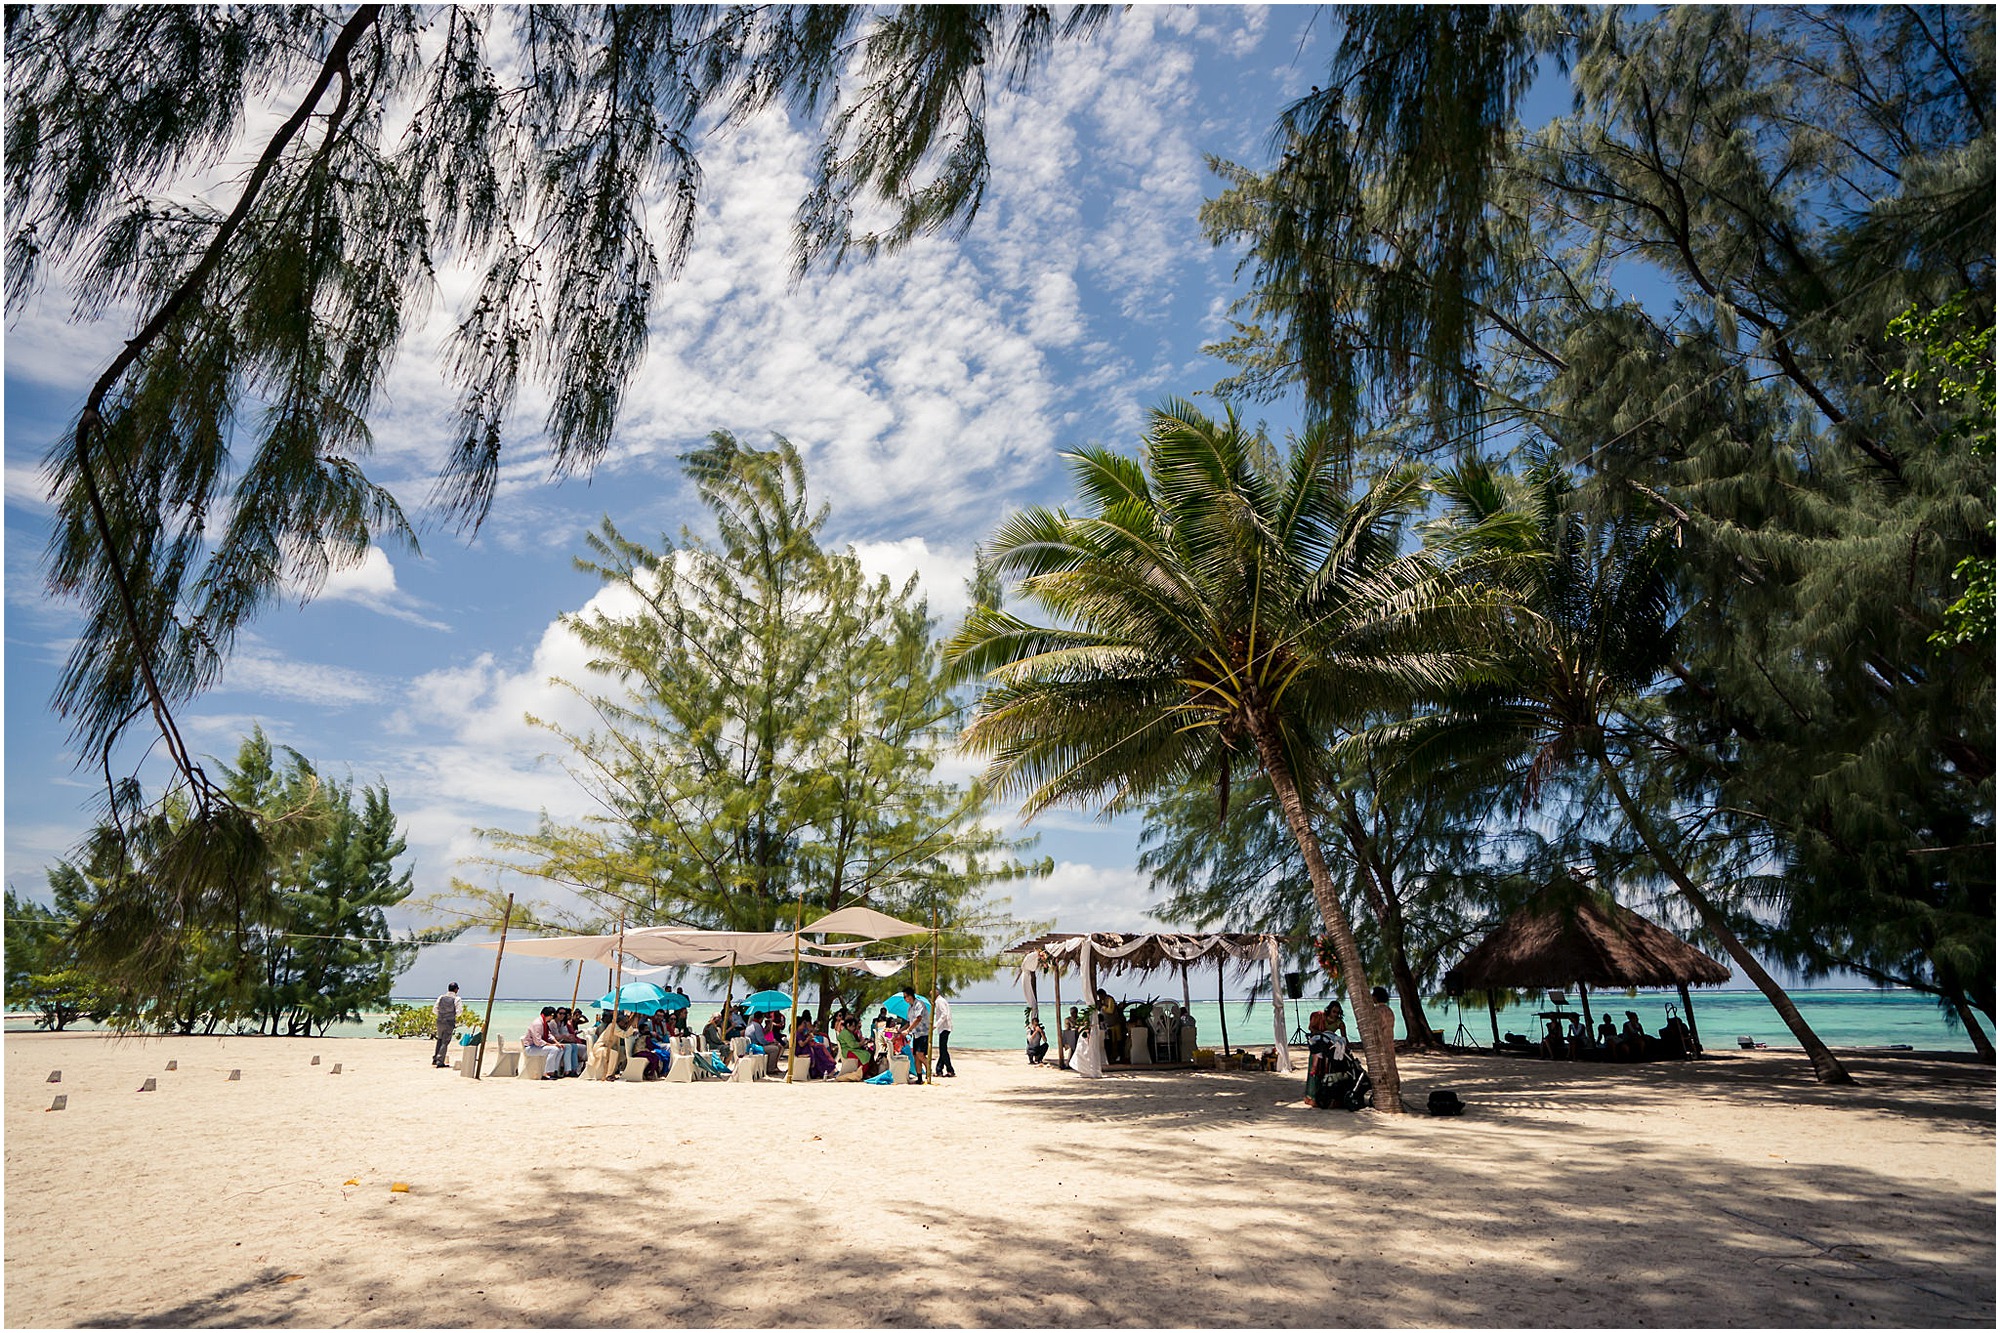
[1569, 936]
[1560, 940]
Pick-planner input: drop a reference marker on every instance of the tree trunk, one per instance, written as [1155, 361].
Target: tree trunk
[1381, 1055]
[1826, 1067]
[1388, 911]
[1980, 1043]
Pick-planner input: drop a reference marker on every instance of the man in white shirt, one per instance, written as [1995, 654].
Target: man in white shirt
[447, 1023]
[943, 1017]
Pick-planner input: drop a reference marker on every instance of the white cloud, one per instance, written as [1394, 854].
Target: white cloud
[1081, 896]
[255, 668]
[942, 573]
[372, 583]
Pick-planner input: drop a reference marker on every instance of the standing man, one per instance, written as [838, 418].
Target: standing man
[1385, 1017]
[447, 1023]
[919, 1033]
[944, 1069]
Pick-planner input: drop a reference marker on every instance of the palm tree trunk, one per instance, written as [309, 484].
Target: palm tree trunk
[1380, 1054]
[1826, 1067]
[1381, 894]
[1970, 1020]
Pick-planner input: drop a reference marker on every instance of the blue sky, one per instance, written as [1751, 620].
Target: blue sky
[930, 392]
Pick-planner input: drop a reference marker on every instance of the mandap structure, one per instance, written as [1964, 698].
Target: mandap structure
[1100, 952]
[1571, 937]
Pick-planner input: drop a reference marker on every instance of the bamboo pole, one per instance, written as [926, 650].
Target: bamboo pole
[1062, 1019]
[792, 1035]
[479, 1058]
[930, 1063]
[617, 983]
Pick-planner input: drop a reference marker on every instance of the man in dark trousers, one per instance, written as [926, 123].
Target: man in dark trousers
[447, 1023]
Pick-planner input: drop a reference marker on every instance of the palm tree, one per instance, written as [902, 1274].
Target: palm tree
[1590, 619]
[1208, 598]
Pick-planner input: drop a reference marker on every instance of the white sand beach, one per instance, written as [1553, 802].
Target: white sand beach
[1734, 1191]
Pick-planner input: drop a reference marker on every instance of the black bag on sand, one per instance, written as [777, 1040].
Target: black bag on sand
[1446, 1102]
[1343, 1083]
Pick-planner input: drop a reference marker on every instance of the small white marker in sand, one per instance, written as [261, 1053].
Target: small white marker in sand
[150, 1085]
[62, 1100]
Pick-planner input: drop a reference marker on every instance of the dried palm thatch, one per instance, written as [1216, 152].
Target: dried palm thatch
[1565, 939]
[1121, 952]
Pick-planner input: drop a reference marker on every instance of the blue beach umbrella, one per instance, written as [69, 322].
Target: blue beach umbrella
[640, 997]
[897, 1005]
[768, 1002]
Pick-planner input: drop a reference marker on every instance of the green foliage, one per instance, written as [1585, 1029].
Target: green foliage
[40, 968]
[293, 941]
[526, 144]
[768, 721]
[420, 1020]
[1958, 373]
[1214, 598]
[1681, 301]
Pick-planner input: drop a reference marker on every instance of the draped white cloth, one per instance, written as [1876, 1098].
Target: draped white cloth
[1089, 1058]
[863, 921]
[1282, 1043]
[1084, 952]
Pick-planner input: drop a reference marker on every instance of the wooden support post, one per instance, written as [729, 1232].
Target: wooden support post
[1687, 1008]
[477, 1054]
[930, 1060]
[1221, 1005]
[1583, 994]
[1493, 1013]
[792, 1034]
[1062, 1019]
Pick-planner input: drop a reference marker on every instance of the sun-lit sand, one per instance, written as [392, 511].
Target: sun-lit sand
[1734, 1191]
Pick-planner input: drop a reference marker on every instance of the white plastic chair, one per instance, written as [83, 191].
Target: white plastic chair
[535, 1063]
[506, 1063]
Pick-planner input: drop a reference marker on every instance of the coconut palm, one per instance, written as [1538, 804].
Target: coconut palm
[1213, 604]
[1591, 616]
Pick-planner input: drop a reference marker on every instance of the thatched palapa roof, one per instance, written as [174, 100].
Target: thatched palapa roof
[1564, 939]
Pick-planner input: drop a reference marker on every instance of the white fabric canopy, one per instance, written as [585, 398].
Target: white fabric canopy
[863, 921]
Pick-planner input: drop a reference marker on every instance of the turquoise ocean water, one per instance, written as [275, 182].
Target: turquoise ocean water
[1841, 1017]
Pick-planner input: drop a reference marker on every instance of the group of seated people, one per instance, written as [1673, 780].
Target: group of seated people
[834, 1049]
[1609, 1041]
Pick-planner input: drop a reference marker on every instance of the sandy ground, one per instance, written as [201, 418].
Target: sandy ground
[1730, 1192]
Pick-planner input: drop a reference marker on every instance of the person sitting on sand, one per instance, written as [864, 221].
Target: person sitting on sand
[1553, 1045]
[1634, 1039]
